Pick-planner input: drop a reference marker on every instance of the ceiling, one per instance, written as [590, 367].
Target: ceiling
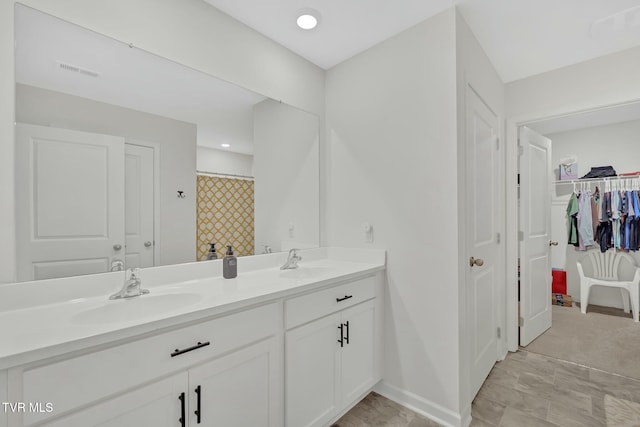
[520, 37]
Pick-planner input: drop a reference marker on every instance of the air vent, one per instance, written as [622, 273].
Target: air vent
[75, 69]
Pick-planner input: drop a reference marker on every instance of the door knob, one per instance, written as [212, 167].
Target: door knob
[475, 261]
[117, 247]
[552, 243]
[147, 244]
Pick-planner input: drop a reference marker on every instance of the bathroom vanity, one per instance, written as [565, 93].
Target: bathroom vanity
[271, 347]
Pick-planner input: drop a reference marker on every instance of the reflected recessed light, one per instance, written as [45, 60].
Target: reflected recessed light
[225, 145]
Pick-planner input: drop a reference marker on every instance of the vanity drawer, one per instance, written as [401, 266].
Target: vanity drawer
[77, 381]
[308, 307]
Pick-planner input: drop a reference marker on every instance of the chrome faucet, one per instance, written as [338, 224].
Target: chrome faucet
[132, 286]
[267, 249]
[292, 260]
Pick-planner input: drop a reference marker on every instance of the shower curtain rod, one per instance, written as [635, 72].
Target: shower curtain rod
[224, 175]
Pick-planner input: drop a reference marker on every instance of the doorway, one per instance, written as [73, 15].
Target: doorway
[595, 138]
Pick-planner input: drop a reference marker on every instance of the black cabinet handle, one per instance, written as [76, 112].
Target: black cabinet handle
[341, 335]
[346, 338]
[344, 298]
[198, 411]
[183, 418]
[186, 350]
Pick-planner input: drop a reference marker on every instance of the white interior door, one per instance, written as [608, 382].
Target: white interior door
[535, 226]
[69, 202]
[483, 217]
[139, 206]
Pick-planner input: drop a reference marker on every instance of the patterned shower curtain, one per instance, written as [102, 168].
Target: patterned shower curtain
[225, 215]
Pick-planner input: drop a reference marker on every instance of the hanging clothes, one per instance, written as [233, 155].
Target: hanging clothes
[572, 220]
[615, 218]
[585, 223]
[609, 219]
[634, 240]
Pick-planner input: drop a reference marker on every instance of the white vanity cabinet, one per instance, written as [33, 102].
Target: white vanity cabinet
[156, 404]
[234, 390]
[208, 373]
[272, 349]
[332, 350]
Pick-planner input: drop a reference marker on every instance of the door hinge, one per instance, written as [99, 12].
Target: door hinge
[520, 150]
[520, 321]
[521, 235]
[498, 332]
[498, 238]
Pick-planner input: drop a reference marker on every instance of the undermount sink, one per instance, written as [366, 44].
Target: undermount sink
[136, 307]
[303, 272]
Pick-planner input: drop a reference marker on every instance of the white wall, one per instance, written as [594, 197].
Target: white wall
[286, 169]
[190, 32]
[391, 160]
[224, 162]
[616, 145]
[475, 69]
[177, 142]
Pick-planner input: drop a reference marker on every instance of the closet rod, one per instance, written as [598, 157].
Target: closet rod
[224, 175]
[609, 178]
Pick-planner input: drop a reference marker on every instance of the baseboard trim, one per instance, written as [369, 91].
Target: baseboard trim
[424, 407]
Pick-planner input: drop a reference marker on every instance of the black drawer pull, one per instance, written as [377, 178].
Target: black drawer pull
[183, 418]
[344, 298]
[346, 338]
[341, 335]
[178, 352]
[198, 411]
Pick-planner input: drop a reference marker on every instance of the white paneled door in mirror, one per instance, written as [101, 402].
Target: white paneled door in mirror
[69, 203]
[140, 194]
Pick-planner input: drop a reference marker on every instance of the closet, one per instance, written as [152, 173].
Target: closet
[592, 145]
[601, 338]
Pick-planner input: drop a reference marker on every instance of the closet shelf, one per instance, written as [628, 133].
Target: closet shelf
[596, 180]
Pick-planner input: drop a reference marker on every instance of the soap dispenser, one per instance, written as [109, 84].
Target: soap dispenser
[212, 252]
[229, 264]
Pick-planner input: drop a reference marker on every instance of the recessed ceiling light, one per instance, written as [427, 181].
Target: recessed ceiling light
[307, 19]
[225, 145]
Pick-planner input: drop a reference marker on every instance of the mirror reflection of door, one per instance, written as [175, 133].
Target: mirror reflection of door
[139, 206]
[85, 203]
[69, 202]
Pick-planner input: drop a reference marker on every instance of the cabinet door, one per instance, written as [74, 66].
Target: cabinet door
[238, 390]
[157, 404]
[358, 354]
[312, 372]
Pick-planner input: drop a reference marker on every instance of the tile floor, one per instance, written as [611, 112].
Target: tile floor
[526, 389]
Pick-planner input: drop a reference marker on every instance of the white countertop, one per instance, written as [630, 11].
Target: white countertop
[178, 295]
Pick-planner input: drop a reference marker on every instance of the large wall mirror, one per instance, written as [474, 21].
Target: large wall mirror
[125, 159]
